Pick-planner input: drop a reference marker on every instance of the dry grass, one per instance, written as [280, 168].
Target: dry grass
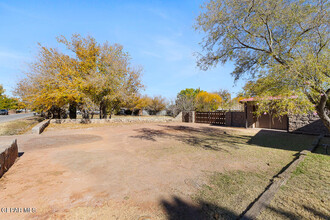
[231, 192]
[111, 210]
[19, 126]
[54, 126]
[306, 194]
[324, 146]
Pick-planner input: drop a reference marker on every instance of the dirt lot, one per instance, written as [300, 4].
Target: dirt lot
[140, 171]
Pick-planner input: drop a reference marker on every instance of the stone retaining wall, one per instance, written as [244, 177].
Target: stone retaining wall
[307, 123]
[39, 128]
[188, 117]
[127, 119]
[8, 156]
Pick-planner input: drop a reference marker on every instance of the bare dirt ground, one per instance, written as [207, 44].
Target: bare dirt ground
[118, 172]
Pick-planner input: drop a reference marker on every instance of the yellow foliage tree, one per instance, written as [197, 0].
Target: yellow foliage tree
[207, 101]
[92, 75]
[157, 104]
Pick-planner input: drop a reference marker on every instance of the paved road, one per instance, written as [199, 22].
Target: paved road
[6, 118]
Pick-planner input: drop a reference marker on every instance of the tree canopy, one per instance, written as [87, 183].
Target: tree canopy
[8, 102]
[197, 100]
[282, 44]
[89, 74]
[207, 101]
[186, 99]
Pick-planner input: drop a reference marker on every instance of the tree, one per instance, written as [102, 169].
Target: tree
[207, 101]
[2, 91]
[235, 103]
[91, 74]
[185, 100]
[283, 43]
[226, 98]
[51, 82]
[7, 102]
[107, 77]
[157, 104]
[137, 102]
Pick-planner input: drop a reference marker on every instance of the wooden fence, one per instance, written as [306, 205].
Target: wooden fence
[216, 118]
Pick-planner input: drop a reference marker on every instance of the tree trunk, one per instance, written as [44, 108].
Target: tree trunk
[59, 113]
[322, 111]
[73, 110]
[103, 110]
[85, 114]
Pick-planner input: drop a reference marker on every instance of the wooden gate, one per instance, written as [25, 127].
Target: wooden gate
[216, 118]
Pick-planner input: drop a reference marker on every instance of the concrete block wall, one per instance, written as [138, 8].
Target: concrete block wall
[8, 156]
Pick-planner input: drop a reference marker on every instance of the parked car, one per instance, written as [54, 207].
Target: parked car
[3, 112]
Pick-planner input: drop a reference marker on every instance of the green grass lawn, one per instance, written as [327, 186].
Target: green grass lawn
[19, 126]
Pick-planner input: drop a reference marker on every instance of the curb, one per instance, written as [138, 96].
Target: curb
[264, 199]
[39, 128]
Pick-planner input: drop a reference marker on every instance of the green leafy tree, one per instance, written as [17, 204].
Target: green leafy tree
[7, 102]
[2, 91]
[283, 43]
[186, 99]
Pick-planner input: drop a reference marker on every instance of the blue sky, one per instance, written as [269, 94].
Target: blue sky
[159, 35]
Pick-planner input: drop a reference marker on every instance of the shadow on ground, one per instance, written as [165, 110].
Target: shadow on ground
[178, 209]
[203, 137]
[283, 140]
[216, 138]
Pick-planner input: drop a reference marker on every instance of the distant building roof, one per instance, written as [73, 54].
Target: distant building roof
[254, 99]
